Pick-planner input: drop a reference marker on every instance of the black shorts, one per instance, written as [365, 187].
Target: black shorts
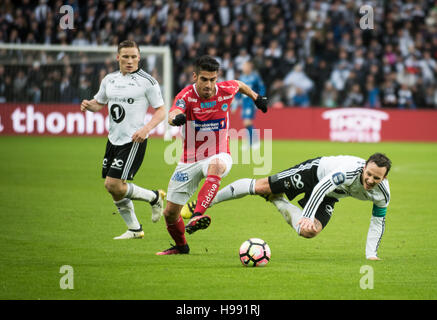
[299, 179]
[123, 162]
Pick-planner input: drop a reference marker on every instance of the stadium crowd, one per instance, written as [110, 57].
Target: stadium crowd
[308, 52]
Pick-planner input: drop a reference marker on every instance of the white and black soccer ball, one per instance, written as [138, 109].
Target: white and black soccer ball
[254, 252]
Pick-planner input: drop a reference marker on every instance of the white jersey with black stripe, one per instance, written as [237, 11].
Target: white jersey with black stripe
[128, 97]
[339, 177]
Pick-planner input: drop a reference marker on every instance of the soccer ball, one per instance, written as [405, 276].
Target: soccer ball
[254, 252]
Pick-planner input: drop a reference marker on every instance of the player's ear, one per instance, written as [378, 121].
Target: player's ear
[117, 57]
[194, 76]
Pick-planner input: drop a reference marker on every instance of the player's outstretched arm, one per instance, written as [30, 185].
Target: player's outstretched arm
[260, 101]
[91, 105]
[374, 236]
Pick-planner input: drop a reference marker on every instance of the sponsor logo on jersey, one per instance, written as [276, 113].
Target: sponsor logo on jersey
[117, 113]
[180, 176]
[123, 100]
[210, 125]
[206, 105]
[191, 99]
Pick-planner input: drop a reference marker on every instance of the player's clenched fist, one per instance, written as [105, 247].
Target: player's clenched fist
[261, 103]
[84, 105]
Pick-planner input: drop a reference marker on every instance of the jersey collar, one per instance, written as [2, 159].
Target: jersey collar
[195, 90]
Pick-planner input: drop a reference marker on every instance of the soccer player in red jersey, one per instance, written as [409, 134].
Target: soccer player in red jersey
[202, 109]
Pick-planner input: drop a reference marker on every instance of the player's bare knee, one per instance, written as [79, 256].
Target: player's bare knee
[115, 188]
[216, 167]
[262, 187]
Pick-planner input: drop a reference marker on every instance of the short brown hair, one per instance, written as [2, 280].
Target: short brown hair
[127, 44]
[381, 160]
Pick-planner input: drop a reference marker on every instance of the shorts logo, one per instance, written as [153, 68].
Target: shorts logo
[287, 184]
[180, 176]
[117, 164]
[297, 181]
[329, 209]
[338, 178]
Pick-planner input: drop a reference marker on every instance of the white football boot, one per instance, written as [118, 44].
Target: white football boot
[129, 234]
[158, 206]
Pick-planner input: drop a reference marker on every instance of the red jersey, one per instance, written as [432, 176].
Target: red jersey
[206, 131]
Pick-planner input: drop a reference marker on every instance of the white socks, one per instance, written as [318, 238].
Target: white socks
[291, 213]
[126, 209]
[137, 193]
[244, 187]
[235, 190]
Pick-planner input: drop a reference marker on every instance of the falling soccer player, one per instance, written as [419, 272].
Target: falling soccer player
[323, 181]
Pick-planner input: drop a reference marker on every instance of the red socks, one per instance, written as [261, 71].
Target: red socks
[207, 193]
[177, 231]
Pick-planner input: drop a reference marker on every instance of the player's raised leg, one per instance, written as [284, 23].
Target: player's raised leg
[217, 167]
[154, 197]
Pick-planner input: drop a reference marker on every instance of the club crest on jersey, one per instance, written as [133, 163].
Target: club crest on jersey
[338, 178]
[225, 107]
[180, 104]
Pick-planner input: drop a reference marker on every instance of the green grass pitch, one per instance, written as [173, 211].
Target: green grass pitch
[55, 212]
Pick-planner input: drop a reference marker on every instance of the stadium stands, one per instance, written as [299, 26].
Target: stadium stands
[311, 51]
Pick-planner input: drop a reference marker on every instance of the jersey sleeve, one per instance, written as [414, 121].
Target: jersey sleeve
[154, 96]
[326, 185]
[180, 102]
[377, 221]
[374, 235]
[101, 96]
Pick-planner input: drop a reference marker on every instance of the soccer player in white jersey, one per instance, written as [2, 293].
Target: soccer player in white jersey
[323, 181]
[128, 93]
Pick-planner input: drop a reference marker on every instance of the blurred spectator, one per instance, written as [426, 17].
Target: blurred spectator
[3, 86]
[19, 86]
[372, 94]
[405, 98]
[354, 98]
[66, 91]
[297, 79]
[300, 98]
[329, 96]
[389, 94]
